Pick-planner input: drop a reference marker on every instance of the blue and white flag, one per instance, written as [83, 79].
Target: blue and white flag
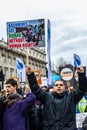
[21, 71]
[77, 60]
[49, 53]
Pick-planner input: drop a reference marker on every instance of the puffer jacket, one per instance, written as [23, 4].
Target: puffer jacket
[59, 109]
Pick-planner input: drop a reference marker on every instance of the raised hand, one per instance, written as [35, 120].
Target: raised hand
[28, 70]
[80, 69]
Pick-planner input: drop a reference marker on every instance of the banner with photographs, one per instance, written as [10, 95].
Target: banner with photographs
[24, 34]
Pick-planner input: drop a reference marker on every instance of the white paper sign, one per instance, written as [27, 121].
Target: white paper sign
[79, 119]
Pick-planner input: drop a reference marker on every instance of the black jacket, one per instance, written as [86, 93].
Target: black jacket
[59, 109]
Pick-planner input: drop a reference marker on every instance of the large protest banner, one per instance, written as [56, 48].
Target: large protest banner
[24, 34]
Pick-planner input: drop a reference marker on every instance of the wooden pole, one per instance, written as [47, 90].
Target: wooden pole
[27, 62]
[27, 58]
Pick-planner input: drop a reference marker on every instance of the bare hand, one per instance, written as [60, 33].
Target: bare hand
[80, 69]
[28, 70]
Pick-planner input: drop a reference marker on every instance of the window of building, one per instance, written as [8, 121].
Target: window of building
[10, 72]
[30, 51]
[10, 60]
[37, 55]
[4, 59]
[29, 62]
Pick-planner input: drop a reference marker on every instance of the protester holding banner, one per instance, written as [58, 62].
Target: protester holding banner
[59, 107]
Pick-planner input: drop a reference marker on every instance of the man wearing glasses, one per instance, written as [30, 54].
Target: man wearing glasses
[59, 107]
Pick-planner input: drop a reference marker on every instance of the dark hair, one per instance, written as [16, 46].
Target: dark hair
[12, 98]
[11, 81]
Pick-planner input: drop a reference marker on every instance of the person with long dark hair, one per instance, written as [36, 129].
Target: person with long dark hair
[16, 107]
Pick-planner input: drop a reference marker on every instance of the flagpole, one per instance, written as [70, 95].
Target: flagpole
[27, 62]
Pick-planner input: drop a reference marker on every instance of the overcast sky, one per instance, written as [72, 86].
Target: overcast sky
[68, 23]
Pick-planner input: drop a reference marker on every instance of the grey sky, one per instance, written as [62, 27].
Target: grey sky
[68, 23]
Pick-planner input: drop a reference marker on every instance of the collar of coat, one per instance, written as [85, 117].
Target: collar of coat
[59, 95]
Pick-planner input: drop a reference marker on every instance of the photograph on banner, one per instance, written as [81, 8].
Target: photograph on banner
[24, 34]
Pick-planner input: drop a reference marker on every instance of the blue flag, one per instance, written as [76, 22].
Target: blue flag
[20, 69]
[77, 60]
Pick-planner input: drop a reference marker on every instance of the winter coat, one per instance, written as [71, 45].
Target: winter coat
[14, 116]
[59, 109]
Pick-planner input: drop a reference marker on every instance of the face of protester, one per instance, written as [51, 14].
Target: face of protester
[10, 89]
[59, 87]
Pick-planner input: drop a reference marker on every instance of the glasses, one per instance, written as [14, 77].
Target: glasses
[58, 85]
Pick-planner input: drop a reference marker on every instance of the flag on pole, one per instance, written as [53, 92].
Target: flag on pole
[77, 60]
[49, 53]
[21, 71]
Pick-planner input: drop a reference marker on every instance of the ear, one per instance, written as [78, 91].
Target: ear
[16, 86]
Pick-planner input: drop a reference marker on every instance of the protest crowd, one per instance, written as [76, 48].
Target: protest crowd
[42, 108]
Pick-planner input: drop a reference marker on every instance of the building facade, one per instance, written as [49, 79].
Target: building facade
[35, 58]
